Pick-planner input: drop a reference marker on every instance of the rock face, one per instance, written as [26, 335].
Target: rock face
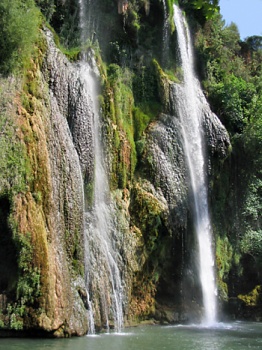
[68, 91]
[152, 215]
[170, 210]
[165, 152]
[69, 159]
[49, 215]
[69, 143]
[165, 160]
[47, 168]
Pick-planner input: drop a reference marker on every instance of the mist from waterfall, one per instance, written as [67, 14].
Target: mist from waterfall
[189, 98]
[103, 278]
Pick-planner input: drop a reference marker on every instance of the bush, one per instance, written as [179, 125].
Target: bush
[233, 101]
[19, 23]
[252, 243]
[14, 165]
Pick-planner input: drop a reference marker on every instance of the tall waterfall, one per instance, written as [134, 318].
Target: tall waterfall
[165, 33]
[189, 100]
[102, 257]
[103, 278]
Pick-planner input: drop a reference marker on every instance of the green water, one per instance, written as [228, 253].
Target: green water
[234, 336]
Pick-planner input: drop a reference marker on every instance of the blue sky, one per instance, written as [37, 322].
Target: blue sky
[247, 14]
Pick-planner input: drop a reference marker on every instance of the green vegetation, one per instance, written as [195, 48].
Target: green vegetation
[28, 285]
[19, 23]
[47, 7]
[253, 298]
[209, 7]
[63, 16]
[231, 72]
[234, 100]
[251, 243]
[149, 214]
[141, 121]
[119, 105]
[135, 90]
[20, 44]
[14, 165]
[131, 101]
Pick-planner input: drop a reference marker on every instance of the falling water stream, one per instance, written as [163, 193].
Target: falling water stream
[103, 274]
[103, 282]
[188, 96]
[103, 278]
[165, 33]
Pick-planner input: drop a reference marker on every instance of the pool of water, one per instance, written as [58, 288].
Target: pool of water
[231, 336]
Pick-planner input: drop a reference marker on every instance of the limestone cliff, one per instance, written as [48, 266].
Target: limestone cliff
[152, 214]
[166, 222]
[48, 214]
[51, 268]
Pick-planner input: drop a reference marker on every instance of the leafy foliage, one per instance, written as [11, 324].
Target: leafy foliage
[120, 106]
[231, 72]
[218, 50]
[28, 288]
[19, 23]
[253, 298]
[141, 121]
[209, 7]
[251, 243]
[201, 10]
[234, 100]
[14, 165]
[28, 285]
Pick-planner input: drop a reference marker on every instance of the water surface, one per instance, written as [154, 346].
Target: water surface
[234, 336]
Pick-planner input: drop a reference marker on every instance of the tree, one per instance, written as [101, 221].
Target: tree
[206, 9]
[209, 7]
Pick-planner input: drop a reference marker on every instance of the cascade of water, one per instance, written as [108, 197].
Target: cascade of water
[100, 227]
[165, 33]
[86, 25]
[91, 322]
[103, 278]
[189, 98]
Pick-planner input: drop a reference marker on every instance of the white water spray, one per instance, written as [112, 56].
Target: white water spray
[165, 33]
[189, 99]
[103, 256]
[103, 277]
[86, 26]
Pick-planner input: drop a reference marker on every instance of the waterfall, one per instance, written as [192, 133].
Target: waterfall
[86, 25]
[104, 274]
[165, 48]
[103, 278]
[189, 107]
